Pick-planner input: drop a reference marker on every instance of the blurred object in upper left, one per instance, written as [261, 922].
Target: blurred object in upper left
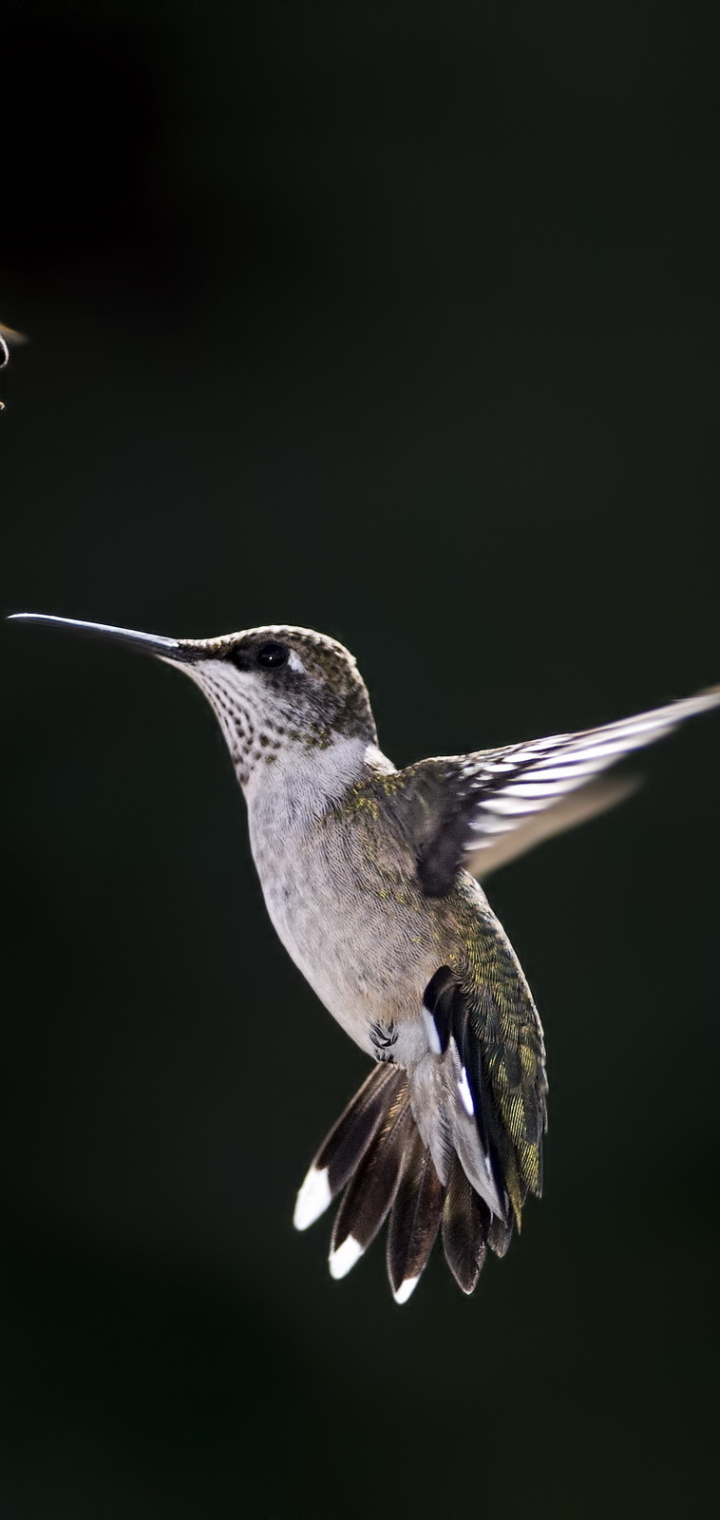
[9, 338]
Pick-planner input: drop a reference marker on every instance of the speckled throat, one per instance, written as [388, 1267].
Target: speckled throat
[299, 716]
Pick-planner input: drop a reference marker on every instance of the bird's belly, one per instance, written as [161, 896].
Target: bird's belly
[359, 955]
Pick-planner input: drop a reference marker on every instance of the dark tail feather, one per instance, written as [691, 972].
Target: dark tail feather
[346, 1144]
[372, 1190]
[464, 1229]
[376, 1153]
[499, 1235]
[414, 1221]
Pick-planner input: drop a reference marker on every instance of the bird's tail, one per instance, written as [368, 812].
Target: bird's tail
[376, 1153]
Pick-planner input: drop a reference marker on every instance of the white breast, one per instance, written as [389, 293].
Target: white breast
[304, 890]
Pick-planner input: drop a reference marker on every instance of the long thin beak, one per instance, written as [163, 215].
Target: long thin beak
[183, 650]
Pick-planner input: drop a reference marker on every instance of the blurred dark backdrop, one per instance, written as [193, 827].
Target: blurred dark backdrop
[399, 321]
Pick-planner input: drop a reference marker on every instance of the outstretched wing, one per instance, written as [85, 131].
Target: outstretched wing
[472, 803]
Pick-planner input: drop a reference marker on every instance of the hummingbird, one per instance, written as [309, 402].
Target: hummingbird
[372, 879]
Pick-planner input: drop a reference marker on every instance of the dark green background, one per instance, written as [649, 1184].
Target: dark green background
[399, 321]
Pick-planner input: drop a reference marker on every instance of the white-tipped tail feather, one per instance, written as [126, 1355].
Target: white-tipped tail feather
[344, 1258]
[313, 1198]
[384, 1167]
[407, 1287]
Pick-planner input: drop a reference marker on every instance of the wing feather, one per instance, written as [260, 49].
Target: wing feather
[473, 802]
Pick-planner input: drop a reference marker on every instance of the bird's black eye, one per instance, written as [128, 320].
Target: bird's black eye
[271, 655]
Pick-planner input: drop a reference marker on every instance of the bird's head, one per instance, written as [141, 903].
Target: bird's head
[272, 689]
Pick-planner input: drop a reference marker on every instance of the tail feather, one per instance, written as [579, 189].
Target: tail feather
[345, 1146]
[371, 1192]
[499, 1235]
[377, 1153]
[414, 1221]
[453, 1142]
[464, 1230]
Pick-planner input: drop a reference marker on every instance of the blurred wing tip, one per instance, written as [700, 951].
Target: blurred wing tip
[344, 1257]
[589, 801]
[313, 1198]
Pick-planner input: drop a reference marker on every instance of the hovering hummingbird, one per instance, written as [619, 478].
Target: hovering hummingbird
[370, 878]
